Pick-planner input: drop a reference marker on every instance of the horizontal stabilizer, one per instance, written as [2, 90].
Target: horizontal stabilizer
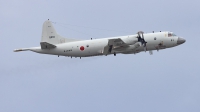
[18, 50]
[45, 45]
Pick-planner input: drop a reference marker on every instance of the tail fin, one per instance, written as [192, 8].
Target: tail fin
[49, 35]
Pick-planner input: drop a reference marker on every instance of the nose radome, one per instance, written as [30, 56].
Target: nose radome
[180, 41]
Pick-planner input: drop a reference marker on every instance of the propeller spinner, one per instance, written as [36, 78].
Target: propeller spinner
[141, 39]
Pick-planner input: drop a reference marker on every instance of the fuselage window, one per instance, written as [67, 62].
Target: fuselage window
[154, 38]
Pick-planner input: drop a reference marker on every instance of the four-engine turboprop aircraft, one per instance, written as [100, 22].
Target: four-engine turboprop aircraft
[54, 44]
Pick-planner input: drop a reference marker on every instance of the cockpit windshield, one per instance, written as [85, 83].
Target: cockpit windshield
[171, 34]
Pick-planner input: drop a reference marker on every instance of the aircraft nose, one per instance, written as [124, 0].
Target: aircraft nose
[180, 41]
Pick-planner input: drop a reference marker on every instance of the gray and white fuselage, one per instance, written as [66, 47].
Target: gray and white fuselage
[54, 44]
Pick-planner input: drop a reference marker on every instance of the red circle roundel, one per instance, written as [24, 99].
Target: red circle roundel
[82, 48]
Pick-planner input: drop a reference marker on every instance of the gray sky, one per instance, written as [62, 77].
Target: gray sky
[168, 81]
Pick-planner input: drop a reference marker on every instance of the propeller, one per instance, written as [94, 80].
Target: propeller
[141, 40]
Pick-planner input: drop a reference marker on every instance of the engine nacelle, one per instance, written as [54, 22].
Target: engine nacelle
[130, 40]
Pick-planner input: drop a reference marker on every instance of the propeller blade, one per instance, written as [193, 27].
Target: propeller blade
[145, 48]
[142, 35]
[141, 40]
[138, 35]
[140, 43]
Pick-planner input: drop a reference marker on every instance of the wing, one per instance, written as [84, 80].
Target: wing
[114, 44]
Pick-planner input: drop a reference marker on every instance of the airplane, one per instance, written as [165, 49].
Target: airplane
[54, 44]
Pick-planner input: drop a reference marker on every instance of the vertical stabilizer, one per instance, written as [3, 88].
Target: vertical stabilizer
[49, 35]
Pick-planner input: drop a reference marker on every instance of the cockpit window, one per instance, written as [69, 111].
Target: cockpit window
[173, 34]
[170, 34]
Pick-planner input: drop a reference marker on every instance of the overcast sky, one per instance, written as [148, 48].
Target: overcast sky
[167, 81]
